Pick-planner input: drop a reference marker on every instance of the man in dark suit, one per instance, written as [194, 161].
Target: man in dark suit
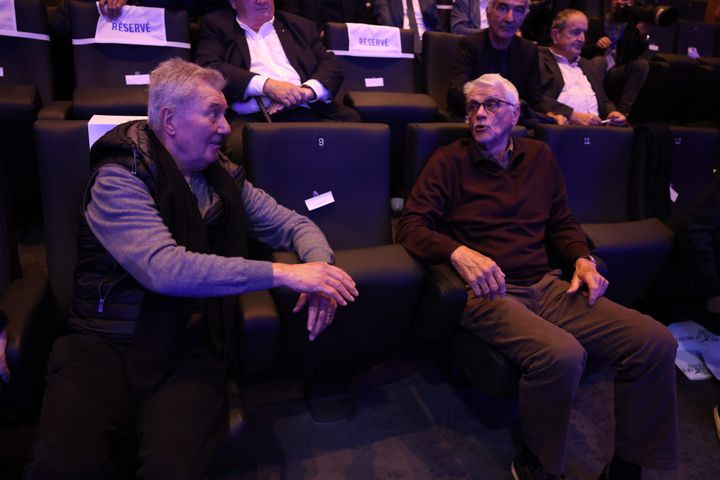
[499, 50]
[571, 84]
[275, 56]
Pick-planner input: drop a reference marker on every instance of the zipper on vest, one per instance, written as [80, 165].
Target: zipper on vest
[103, 292]
[133, 169]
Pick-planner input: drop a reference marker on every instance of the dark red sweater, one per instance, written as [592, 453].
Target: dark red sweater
[508, 215]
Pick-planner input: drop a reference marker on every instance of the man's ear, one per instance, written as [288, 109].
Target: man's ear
[554, 33]
[167, 120]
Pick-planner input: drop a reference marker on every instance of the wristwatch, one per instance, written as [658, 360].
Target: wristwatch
[588, 257]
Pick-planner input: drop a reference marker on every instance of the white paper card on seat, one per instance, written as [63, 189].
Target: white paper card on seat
[2, 72]
[374, 82]
[99, 125]
[673, 194]
[317, 201]
[653, 47]
[8, 22]
[373, 38]
[137, 79]
[134, 26]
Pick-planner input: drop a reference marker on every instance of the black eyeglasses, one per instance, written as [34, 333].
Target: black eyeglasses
[491, 105]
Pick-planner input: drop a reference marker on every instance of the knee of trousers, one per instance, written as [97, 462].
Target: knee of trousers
[639, 67]
[659, 343]
[561, 361]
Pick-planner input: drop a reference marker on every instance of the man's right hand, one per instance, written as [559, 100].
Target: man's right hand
[4, 369]
[284, 92]
[111, 8]
[316, 277]
[480, 272]
[578, 118]
[603, 42]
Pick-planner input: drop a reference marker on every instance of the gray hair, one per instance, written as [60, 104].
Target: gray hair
[173, 83]
[504, 87]
[560, 20]
[490, 4]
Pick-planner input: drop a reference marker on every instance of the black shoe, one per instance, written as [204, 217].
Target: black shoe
[527, 467]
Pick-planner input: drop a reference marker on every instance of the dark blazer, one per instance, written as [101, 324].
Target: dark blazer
[223, 46]
[390, 13]
[552, 84]
[475, 58]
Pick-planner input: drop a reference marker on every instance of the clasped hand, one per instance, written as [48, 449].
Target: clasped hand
[480, 272]
[286, 95]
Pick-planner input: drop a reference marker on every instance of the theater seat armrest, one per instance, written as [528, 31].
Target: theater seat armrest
[30, 330]
[442, 303]
[58, 110]
[259, 333]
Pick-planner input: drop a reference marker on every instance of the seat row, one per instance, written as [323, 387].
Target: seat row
[620, 184]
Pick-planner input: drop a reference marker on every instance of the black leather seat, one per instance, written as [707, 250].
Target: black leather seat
[395, 103]
[703, 37]
[291, 161]
[439, 53]
[101, 68]
[596, 164]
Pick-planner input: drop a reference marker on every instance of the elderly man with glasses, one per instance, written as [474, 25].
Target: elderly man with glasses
[495, 207]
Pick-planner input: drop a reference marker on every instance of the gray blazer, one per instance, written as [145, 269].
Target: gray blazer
[552, 83]
[465, 17]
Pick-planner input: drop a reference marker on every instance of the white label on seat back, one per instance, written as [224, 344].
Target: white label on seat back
[317, 201]
[8, 22]
[373, 38]
[134, 26]
[2, 72]
[98, 125]
[673, 194]
[137, 79]
[653, 47]
[374, 82]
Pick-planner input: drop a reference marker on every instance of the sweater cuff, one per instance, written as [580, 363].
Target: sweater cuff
[575, 250]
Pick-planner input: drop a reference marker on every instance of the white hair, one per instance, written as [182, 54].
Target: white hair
[504, 87]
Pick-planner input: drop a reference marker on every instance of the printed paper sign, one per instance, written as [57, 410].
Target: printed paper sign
[317, 201]
[8, 23]
[137, 79]
[99, 125]
[694, 341]
[134, 26]
[373, 39]
[374, 82]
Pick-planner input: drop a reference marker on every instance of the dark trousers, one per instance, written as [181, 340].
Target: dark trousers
[550, 334]
[624, 82]
[89, 430]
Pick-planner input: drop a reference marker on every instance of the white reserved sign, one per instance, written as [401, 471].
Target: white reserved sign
[8, 23]
[99, 125]
[373, 40]
[134, 26]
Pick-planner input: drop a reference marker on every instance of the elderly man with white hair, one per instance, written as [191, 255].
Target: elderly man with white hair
[495, 206]
[136, 385]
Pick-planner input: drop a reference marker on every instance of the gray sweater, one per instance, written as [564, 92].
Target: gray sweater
[123, 216]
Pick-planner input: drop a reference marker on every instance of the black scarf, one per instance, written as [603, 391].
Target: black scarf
[162, 320]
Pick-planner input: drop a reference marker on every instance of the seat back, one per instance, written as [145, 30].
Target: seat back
[107, 64]
[63, 153]
[595, 162]
[698, 35]
[25, 59]
[375, 74]
[662, 39]
[438, 56]
[292, 160]
[9, 258]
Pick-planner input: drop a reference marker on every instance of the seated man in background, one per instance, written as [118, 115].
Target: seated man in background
[617, 49]
[571, 84]
[416, 15]
[275, 56]
[496, 208]
[468, 16]
[499, 50]
[138, 380]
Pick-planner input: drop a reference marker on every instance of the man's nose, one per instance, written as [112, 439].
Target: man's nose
[223, 127]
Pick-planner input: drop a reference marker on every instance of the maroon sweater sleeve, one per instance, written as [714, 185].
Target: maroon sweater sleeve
[419, 225]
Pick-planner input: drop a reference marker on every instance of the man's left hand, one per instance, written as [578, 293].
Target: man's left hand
[4, 369]
[587, 274]
[321, 311]
[617, 119]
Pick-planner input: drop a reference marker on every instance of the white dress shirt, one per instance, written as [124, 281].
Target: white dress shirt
[483, 14]
[418, 16]
[269, 60]
[577, 93]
